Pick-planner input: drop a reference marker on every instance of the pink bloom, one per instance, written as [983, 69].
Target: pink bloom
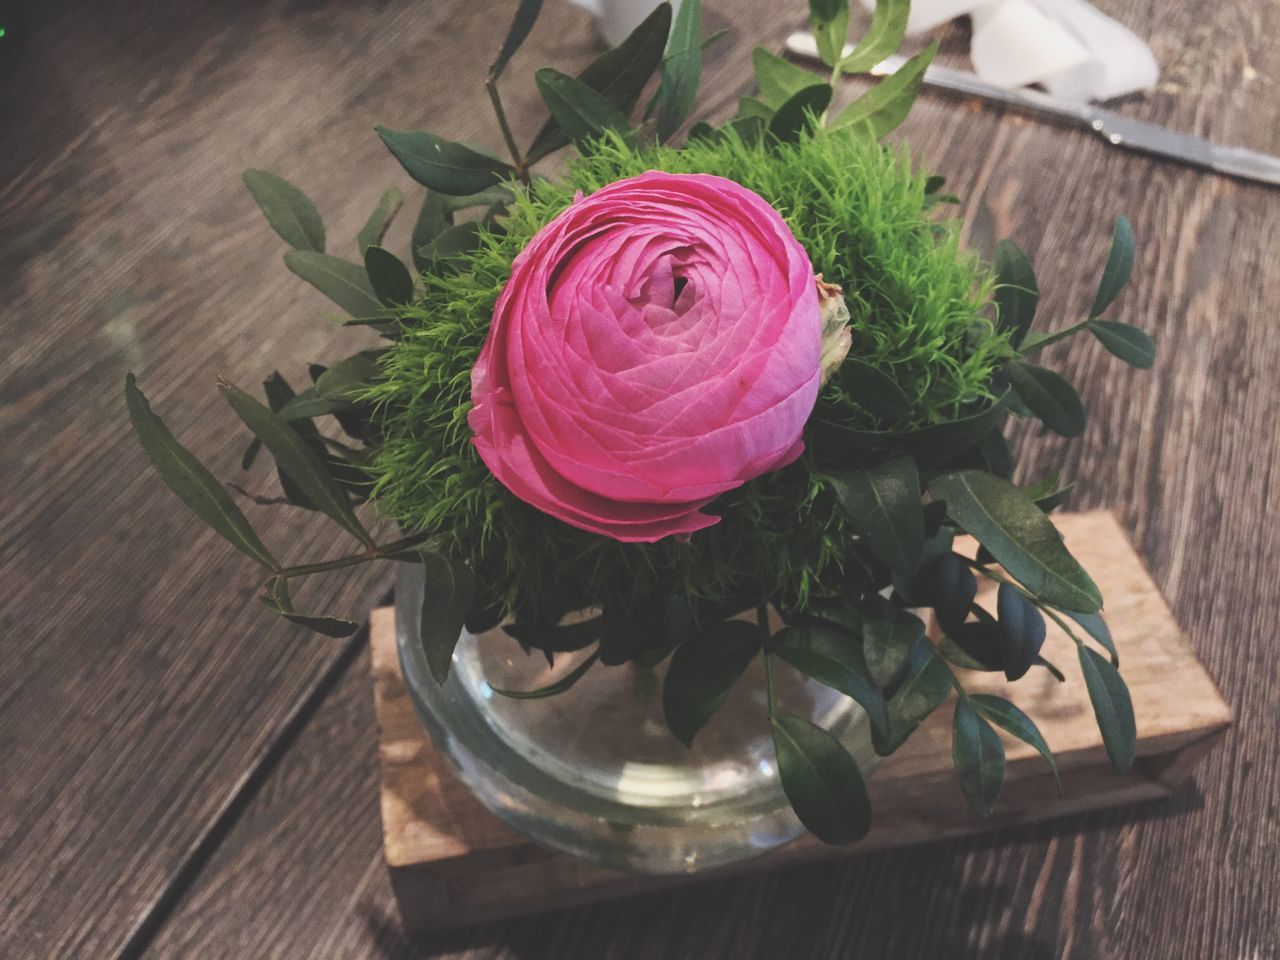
[657, 344]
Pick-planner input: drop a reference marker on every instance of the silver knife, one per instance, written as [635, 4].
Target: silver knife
[1117, 130]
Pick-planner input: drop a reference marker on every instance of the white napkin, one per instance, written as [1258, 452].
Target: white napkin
[1068, 46]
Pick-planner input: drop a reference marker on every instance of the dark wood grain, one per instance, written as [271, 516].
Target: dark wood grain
[142, 685]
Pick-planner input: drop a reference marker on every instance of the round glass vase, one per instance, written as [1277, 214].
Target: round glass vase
[594, 772]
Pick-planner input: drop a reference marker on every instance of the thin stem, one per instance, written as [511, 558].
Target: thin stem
[522, 170]
[1041, 342]
[376, 553]
[762, 618]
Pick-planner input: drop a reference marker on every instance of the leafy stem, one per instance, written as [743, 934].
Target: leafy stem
[522, 168]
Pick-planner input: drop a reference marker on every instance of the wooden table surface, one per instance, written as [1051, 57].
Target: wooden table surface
[185, 776]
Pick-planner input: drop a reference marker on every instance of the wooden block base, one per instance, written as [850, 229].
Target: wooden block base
[453, 862]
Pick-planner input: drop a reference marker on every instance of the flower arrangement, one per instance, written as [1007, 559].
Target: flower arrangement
[735, 368]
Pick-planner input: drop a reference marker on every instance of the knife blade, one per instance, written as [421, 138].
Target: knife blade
[1115, 129]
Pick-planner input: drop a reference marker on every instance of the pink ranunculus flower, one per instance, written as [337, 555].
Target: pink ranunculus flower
[657, 344]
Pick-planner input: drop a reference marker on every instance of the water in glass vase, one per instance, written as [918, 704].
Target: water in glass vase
[594, 772]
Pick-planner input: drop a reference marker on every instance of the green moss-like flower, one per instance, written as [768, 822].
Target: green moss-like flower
[916, 303]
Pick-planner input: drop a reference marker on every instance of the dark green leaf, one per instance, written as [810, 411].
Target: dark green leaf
[375, 228]
[556, 638]
[1112, 707]
[702, 672]
[833, 656]
[952, 652]
[443, 165]
[1017, 292]
[882, 38]
[391, 281]
[995, 454]
[582, 113]
[932, 446]
[1049, 396]
[1019, 536]
[448, 588]
[1024, 626]
[455, 241]
[778, 79]
[551, 689]
[277, 600]
[873, 390]
[821, 780]
[526, 16]
[1126, 341]
[287, 209]
[1118, 269]
[949, 586]
[889, 634]
[882, 108]
[343, 282]
[800, 113]
[884, 508]
[297, 460]
[279, 395]
[829, 21]
[979, 759]
[1097, 628]
[187, 477]
[619, 74]
[433, 220]
[1004, 714]
[310, 404]
[747, 107]
[338, 381]
[681, 69]
[921, 694]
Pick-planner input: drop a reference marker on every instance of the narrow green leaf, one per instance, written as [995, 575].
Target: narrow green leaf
[1020, 537]
[1126, 341]
[1118, 269]
[277, 600]
[933, 446]
[343, 282]
[800, 113]
[551, 689]
[443, 165]
[979, 759]
[195, 486]
[296, 459]
[821, 780]
[920, 694]
[582, 113]
[375, 228]
[449, 586]
[1097, 628]
[556, 638]
[1005, 715]
[889, 634]
[873, 390]
[681, 69]
[309, 404]
[829, 22]
[949, 586]
[1049, 396]
[1112, 707]
[779, 79]
[882, 108]
[1017, 292]
[702, 672]
[287, 209]
[279, 395]
[882, 39]
[390, 279]
[884, 508]
[834, 657]
[526, 16]
[433, 220]
[619, 74]
[454, 241]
